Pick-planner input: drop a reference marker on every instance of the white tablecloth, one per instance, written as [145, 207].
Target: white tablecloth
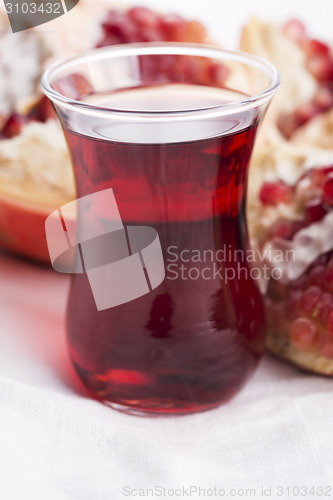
[56, 443]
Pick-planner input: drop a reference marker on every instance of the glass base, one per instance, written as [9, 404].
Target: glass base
[159, 412]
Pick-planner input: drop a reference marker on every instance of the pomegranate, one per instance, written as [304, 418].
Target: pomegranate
[300, 308]
[26, 200]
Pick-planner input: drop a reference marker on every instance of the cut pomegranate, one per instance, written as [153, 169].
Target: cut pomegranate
[306, 303]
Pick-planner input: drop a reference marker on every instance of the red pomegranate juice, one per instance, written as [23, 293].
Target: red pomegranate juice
[191, 343]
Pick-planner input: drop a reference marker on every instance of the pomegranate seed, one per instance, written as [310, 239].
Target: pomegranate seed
[13, 125]
[195, 32]
[328, 283]
[317, 275]
[282, 229]
[300, 283]
[318, 175]
[314, 47]
[143, 17]
[303, 333]
[324, 97]
[108, 40]
[42, 111]
[314, 210]
[309, 299]
[328, 190]
[321, 67]
[273, 193]
[118, 27]
[294, 29]
[150, 35]
[306, 112]
[173, 27]
[288, 123]
[217, 73]
[324, 306]
[330, 323]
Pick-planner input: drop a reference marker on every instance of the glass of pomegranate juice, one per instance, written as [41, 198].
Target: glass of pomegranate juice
[164, 316]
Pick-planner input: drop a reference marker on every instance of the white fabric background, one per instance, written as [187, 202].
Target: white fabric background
[57, 444]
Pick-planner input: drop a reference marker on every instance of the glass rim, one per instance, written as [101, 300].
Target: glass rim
[164, 48]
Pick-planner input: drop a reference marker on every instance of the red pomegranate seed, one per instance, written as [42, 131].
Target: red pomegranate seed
[217, 73]
[317, 275]
[324, 307]
[328, 190]
[13, 125]
[328, 283]
[143, 17]
[309, 299]
[305, 112]
[195, 32]
[300, 283]
[42, 111]
[273, 193]
[282, 228]
[173, 27]
[319, 175]
[288, 123]
[314, 47]
[303, 333]
[324, 97]
[314, 210]
[295, 29]
[330, 323]
[321, 67]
